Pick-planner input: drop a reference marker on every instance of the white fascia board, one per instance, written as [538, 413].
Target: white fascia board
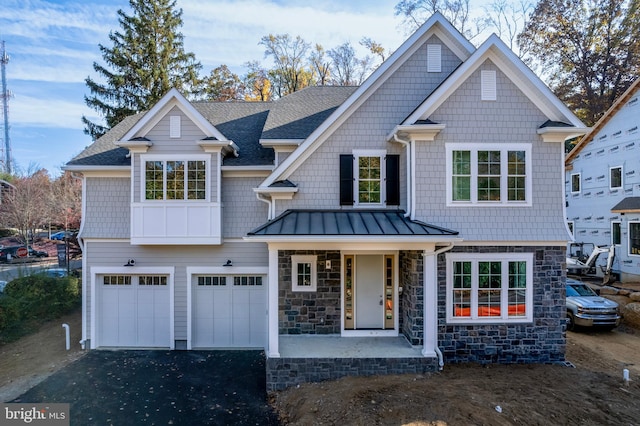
[436, 25]
[495, 50]
[527, 243]
[100, 171]
[281, 142]
[154, 115]
[561, 134]
[357, 246]
[416, 131]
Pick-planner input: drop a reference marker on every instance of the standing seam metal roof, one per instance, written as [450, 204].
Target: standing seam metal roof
[348, 222]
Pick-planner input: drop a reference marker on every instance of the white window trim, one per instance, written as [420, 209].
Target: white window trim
[490, 257]
[357, 153]
[171, 157]
[503, 148]
[295, 261]
[620, 226]
[579, 183]
[621, 178]
[631, 222]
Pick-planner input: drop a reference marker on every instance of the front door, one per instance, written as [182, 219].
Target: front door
[369, 292]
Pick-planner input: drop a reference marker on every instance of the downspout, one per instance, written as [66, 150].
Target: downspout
[82, 245]
[408, 145]
[269, 202]
[435, 254]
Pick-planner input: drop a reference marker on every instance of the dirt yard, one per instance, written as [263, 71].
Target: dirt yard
[593, 393]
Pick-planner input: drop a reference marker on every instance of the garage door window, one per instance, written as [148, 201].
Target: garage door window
[117, 280]
[247, 280]
[212, 280]
[152, 280]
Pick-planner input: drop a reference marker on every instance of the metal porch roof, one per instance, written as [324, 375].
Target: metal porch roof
[347, 222]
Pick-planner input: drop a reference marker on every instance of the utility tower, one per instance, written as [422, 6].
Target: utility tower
[5, 147]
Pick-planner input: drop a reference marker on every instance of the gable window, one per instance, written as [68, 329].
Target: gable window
[175, 179]
[616, 234]
[369, 178]
[488, 174]
[496, 287]
[575, 183]
[615, 177]
[303, 273]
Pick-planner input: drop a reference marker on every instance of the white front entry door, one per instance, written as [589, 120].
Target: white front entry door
[369, 291]
[229, 311]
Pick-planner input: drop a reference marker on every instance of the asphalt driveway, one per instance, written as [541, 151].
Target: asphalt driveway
[161, 387]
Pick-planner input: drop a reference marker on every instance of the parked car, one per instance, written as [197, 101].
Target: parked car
[55, 272]
[9, 253]
[60, 236]
[37, 253]
[585, 308]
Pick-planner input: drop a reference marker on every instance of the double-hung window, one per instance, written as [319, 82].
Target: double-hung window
[304, 272]
[489, 174]
[490, 288]
[369, 178]
[175, 179]
[634, 238]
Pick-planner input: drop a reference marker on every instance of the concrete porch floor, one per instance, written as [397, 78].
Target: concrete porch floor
[332, 346]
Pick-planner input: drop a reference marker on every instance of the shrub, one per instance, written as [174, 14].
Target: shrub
[33, 299]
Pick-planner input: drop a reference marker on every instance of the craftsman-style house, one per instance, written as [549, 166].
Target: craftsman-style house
[413, 221]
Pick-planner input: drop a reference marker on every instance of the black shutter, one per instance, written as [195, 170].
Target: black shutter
[393, 180]
[346, 180]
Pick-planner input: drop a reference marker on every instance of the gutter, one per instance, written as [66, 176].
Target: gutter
[409, 147]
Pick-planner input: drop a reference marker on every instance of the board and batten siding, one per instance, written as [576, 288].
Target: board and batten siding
[185, 145]
[241, 209]
[108, 210]
[512, 118]
[116, 254]
[367, 128]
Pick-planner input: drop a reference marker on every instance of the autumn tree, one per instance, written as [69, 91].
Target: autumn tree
[320, 65]
[346, 68]
[256, 83]
[416, 12]
[223, 85]
[26, 206]
[588, 49]
[146, 59]
[66, 201]
[508, 19]
[289, 54]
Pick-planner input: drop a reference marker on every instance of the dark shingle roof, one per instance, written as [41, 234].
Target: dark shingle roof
[347, 222]
[295, 116]
[103, 152]
[629, 204]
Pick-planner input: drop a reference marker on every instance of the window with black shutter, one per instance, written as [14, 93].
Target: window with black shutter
[393, 180]
[369, 178]
[346, 180]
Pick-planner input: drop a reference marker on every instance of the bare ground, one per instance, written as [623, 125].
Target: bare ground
[593, 393]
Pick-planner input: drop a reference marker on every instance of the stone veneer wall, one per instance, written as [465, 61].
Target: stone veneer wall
[543, 341]
[286, 372]
[310, 312]
[411, 312]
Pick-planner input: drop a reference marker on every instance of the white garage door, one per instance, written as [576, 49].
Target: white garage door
[134, 311]
[229, 311]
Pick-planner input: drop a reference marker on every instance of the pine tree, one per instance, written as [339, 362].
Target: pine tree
[146, 60]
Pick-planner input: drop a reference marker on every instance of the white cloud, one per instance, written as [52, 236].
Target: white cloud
[40, 112]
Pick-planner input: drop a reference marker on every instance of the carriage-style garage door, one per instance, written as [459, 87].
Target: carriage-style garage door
[133, 311]
[229, 311]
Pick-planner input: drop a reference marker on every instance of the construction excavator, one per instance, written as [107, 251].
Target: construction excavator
[583, 265]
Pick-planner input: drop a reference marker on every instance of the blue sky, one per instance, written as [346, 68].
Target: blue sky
[52, 45]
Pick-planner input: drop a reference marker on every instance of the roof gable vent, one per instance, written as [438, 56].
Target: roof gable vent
[488, 83]
[434, 58]
[174, 126]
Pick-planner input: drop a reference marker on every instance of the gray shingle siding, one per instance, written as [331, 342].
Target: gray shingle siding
[107, 212]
